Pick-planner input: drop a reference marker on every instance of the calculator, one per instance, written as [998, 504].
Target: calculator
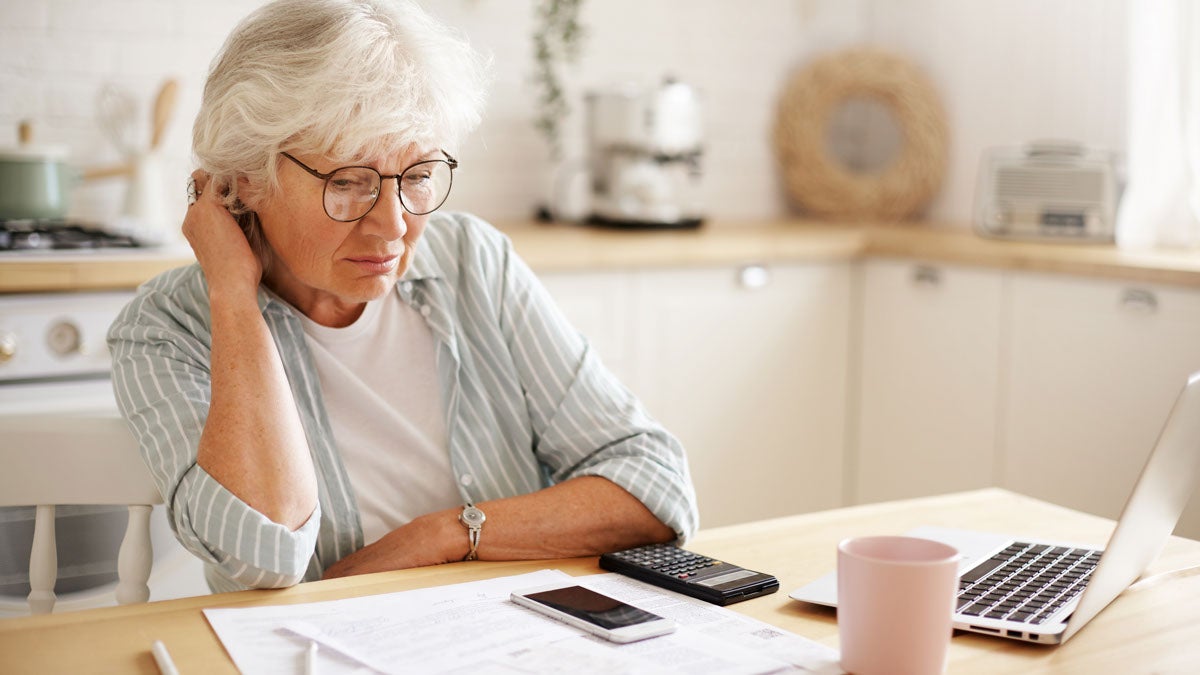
[676, 569]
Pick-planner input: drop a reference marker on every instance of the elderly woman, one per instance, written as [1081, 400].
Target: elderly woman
[349, 381]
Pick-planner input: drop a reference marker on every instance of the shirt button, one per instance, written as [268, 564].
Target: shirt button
[406, 286]
[466, 479]
[425, 310]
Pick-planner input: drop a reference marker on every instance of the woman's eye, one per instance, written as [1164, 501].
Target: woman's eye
[351, 184]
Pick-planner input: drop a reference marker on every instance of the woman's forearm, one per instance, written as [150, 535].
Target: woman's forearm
[583, 516]
[253, 441]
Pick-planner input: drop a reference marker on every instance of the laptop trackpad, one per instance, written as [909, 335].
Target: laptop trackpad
[971, 544]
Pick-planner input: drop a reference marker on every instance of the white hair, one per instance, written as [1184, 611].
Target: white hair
[350, 79]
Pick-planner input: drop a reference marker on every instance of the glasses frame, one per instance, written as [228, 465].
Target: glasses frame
[449, 161]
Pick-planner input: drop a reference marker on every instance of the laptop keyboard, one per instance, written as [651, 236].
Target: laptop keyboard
[1025, 582]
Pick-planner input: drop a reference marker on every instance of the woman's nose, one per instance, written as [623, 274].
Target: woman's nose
[386, 219]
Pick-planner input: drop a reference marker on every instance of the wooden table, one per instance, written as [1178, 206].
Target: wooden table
[1154, 627]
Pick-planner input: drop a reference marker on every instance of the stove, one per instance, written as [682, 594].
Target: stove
[59, 235]
[55, 365]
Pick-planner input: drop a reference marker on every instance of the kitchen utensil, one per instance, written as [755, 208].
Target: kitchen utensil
[164, 105]
[116, 112]
[145, 209]
[35, 182]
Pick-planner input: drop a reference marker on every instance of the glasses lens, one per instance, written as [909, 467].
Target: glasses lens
[424, 186]
[350, 193]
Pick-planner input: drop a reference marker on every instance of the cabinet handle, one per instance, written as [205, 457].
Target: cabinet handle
[925, 275]
[8, 347]
[754, 277]
[1139, 300]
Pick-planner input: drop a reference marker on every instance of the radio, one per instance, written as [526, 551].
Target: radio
[1047, 190]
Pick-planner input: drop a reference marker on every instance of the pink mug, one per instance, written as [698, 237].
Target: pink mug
[895, 604]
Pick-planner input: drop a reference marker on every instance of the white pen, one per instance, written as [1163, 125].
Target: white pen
[165, 665]
[310, 659]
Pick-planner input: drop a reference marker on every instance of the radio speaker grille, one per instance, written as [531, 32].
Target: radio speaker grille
[1068, 184]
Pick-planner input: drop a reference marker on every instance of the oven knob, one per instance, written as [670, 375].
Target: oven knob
[65, 338]
[8, 347]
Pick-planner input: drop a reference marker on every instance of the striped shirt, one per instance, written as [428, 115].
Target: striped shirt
[527, 402]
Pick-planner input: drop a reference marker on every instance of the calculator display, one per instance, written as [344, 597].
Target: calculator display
[726, 578]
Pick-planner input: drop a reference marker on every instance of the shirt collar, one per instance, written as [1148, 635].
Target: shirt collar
[424, 263]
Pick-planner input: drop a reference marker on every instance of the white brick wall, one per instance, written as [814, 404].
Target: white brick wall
[1012, 71]
[58, 53]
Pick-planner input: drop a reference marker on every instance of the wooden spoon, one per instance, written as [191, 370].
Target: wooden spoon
[164, 105]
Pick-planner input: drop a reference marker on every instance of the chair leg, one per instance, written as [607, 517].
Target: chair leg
[135, 557]
[43, 562]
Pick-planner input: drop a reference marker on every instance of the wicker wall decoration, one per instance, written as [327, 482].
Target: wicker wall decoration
[818, 183]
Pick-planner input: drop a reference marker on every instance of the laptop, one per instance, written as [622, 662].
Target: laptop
[1045, 591]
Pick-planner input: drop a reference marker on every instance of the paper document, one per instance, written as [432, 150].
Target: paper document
[474, 627]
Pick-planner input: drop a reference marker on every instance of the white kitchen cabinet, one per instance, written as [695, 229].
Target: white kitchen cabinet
[929, 361]
[1093, 368]
[747, 366]
[806, 386]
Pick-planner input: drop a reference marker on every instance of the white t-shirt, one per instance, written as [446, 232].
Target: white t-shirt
[380, 386]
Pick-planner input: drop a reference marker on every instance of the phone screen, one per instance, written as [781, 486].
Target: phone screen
[593, 607]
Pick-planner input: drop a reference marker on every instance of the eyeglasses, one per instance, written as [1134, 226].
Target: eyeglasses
[352, 191]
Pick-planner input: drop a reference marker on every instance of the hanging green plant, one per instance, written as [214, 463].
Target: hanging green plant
[557, 36]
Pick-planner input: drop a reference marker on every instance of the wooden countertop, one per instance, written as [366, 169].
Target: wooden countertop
[565, 247]
[92, 271]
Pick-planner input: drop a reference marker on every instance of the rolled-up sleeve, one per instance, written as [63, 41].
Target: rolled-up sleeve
[585, 421]
[160, 363]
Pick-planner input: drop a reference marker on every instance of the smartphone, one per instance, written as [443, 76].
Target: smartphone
[594, 612]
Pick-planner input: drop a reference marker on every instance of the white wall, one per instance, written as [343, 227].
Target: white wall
[1009, 71]
[738, 59]
[1012, 71]
[58, 53]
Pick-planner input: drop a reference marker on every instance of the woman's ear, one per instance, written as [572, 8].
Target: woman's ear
[245, 196]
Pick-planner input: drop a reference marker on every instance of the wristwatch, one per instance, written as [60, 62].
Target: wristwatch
[473, 518]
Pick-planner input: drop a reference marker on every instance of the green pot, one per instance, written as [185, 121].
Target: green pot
[35, 184]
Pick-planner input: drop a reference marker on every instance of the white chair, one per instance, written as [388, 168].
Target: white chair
[51, 460]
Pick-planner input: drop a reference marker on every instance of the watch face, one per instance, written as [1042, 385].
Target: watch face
[472, 516]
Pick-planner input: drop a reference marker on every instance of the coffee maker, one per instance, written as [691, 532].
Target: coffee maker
[644, 151]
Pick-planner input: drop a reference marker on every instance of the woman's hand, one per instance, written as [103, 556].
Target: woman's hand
[221, 248]
[417, 544]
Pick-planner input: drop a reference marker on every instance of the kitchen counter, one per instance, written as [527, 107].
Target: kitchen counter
[104, 269]
[562, 247]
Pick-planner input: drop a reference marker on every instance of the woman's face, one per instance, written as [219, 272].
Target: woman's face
[330, 269]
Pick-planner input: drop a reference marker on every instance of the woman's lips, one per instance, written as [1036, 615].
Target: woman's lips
[376, 264]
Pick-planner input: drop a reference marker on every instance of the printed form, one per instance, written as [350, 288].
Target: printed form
[474, 627]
